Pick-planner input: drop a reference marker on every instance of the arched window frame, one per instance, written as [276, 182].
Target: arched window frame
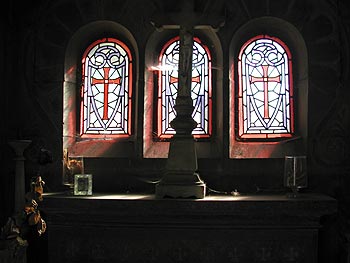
[167, 81]
[267, 147]
[109, 78]
[282, 82]
[206, 147]
[90, 146]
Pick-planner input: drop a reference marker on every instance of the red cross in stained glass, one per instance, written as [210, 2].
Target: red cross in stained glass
[106, 81]
[174, 79]
[265, 79]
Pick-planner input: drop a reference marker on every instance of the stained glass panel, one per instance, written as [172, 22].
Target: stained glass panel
[265, 97]
[106, 91]
[200, 92]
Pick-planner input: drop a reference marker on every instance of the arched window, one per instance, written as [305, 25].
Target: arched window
[99, 92]
[106, 90]
[265, 91]
[200, 91]
[268, 112]
[161, 83]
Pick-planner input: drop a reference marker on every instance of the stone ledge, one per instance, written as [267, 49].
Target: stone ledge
[244, 210]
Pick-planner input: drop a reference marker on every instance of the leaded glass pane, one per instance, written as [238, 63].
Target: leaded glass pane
[201, 88]
[265, 89]
[106, 93]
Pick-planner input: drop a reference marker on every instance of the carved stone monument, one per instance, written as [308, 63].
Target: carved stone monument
[180, 179]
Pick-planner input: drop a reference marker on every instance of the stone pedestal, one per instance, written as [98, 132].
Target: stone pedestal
[19, 146]
[180, 179]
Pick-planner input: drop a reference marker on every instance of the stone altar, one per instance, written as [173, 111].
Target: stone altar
[142, 228]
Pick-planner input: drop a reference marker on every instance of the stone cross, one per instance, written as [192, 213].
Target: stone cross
[180, 179]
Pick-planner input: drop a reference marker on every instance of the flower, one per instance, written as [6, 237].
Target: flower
[20, 224]
[18, 232]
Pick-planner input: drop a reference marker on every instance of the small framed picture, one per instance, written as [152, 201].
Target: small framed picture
[83, 184]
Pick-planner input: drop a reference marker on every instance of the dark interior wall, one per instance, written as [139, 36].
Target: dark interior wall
[33, 51]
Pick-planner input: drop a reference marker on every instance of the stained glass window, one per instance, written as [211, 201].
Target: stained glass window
[106, 91]
[201, 88]
[265, 94]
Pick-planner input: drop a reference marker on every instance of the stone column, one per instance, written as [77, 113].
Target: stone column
[19, 146]
[180, 179]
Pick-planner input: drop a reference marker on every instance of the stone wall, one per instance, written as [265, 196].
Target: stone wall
[33, 51]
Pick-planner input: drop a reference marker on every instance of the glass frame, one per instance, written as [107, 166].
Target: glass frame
[83, 184]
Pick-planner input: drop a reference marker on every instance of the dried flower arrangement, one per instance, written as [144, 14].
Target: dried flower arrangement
[14, 234]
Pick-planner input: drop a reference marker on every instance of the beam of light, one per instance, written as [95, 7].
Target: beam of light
[162, 68]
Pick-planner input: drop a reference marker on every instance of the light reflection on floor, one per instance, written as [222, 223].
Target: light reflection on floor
[130, 196]
[123, 196]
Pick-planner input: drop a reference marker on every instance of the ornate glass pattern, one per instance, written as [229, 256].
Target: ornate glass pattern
[200, 92]
[106, 92]
[265, 95]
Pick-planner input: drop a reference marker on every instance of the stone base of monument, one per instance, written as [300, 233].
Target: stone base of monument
[181, 191]
[180, 179]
